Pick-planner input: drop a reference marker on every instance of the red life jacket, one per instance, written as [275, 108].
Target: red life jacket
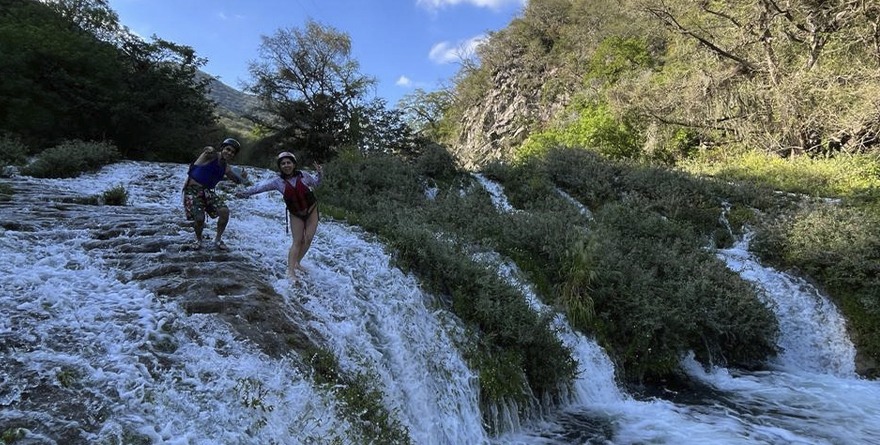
[298, 198]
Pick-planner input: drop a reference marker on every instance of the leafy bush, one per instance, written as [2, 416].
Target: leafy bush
[592, 126]
[12, 151]
[658, 294]
[617, 55]
[437, 162]
[5, 192]
[116, 196]
[72, 158]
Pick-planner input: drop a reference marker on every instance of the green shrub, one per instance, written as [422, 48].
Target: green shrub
[5, 192]
[72, 158]
[598, 128]
[616, 56]
[659, 294]
[592, 126]
[12, 151]
[116, 196]
[436, 162]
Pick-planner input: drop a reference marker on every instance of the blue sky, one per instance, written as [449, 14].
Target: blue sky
[404, 44]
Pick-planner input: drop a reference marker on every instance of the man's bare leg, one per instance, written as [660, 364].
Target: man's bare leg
[222, 221]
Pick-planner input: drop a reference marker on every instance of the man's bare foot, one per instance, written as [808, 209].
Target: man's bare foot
[300, 267]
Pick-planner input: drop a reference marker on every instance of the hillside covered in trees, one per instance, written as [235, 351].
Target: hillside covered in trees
[657, 80]
[771, 94]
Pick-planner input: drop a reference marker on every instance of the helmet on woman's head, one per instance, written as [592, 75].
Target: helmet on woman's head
[285, 154]
[232, 143]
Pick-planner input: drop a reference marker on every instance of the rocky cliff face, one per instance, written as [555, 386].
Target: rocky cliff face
[494, 127]
[233, 101]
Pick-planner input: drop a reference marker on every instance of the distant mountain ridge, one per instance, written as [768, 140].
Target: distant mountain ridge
[236, 102]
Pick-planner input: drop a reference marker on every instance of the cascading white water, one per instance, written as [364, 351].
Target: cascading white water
[821, 402]
[813, 395]
[580, 207]
[376, 319]
[373, 317]
[75, 323]
[496, 193]
[813, 333]
[65, 314]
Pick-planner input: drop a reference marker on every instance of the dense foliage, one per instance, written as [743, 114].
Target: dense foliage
[71, 158]
[70, 71]
[759, 93]
[786, 77]
[655, 289]
[313, 97]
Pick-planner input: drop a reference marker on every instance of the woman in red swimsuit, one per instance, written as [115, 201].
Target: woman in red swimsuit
[296, 186]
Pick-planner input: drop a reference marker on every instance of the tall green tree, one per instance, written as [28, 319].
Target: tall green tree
[423, 111]
[312, 88]
[71, 71]
[57, 81]
[165, 112]
[795, 76]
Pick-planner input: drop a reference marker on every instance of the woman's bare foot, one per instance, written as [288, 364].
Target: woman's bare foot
[301, 268]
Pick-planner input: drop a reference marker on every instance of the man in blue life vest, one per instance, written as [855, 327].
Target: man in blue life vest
[199, 197]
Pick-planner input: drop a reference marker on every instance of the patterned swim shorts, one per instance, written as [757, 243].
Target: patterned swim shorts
[198, 200]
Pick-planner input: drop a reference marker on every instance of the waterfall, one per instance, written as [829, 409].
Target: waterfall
[75, 339]
[375, 319]
[832, 406]
[92, 355]
[813, 334]
[496, 193]
[580, 207]
[71, 314]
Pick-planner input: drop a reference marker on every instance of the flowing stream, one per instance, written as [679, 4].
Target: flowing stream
[112, 332]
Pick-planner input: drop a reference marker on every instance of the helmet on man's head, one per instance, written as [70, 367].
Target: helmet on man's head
[231, 143]
[285, 154]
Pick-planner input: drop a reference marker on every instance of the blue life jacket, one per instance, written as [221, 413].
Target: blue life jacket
[208, 174]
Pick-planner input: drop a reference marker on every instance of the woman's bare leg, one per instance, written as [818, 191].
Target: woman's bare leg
[293, 255]
[311, 226]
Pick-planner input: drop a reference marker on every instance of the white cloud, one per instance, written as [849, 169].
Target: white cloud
[224, 17]
[403, 81]
[491, 4]
[446, 52]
